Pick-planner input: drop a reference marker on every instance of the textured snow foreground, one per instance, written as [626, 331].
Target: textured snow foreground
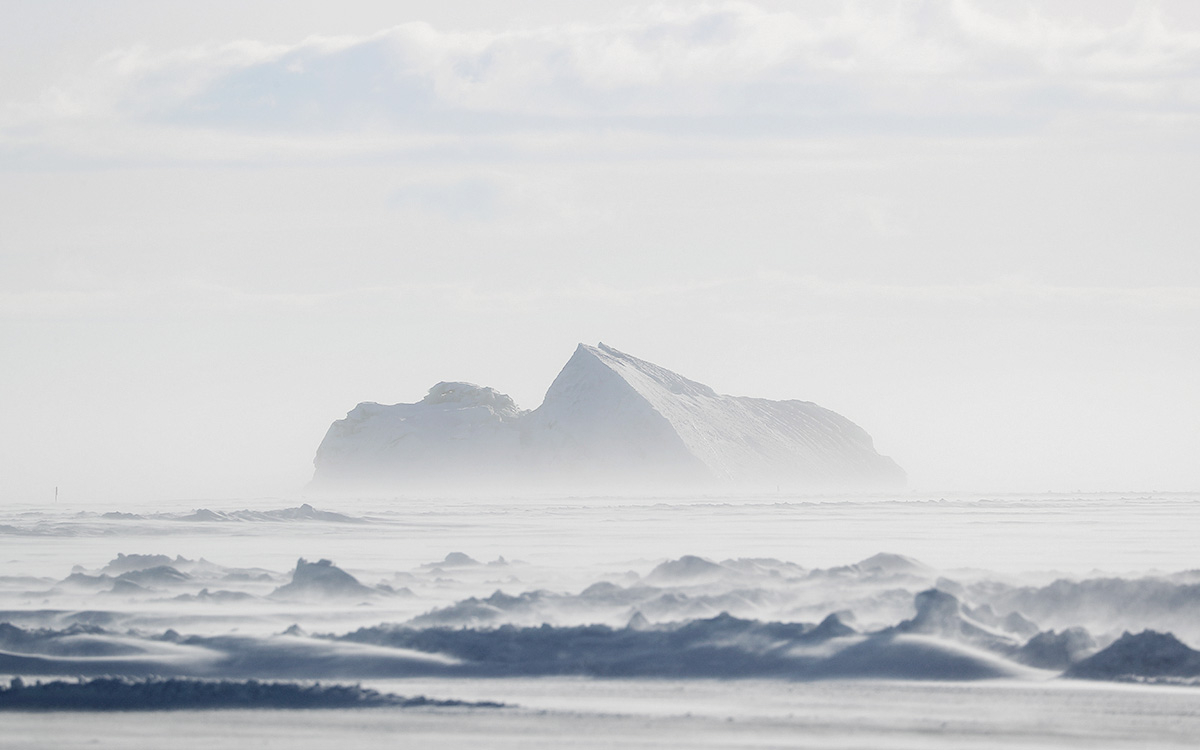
[633, 622]
[608, 420]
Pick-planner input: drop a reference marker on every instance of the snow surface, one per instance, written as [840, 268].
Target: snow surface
[608, 419]
[657, 714]
[712, 622]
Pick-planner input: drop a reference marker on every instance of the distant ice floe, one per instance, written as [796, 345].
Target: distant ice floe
[91, 524]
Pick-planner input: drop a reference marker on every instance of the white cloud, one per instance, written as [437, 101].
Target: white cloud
[471, 199]
[907, 66]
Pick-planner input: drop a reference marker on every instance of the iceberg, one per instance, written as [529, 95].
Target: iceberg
[608, 421]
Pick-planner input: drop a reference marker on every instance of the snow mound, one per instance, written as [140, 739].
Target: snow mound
[84, 582]
[1055, 650]
[74, 641]
[687, 569]
[455, 560]
[721, 647]
[1111, 604]
[321, 579]
[126, 587]
[914, 657]
[304, 513]
[162, 575]
[941, 614]
[221, 596]
[608, 419]
[128, 563]
[891, 564]
[118, 694]
[831, 627]
[1148, 654]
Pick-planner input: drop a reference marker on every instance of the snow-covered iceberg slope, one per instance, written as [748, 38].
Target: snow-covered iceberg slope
[456, 428]
[608, 420]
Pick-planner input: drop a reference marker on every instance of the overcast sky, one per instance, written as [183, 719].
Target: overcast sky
[971, 227]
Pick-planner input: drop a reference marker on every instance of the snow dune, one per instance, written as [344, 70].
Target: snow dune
[120, 694]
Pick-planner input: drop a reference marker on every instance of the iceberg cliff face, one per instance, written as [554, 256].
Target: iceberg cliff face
[457, 427]
[602, 419]
[609, 419]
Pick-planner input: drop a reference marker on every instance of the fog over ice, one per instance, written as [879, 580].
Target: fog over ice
[964, 225]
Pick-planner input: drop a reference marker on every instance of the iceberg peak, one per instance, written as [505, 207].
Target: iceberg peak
[469, 394]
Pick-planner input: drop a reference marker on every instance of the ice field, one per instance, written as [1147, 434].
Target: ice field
[740, 621]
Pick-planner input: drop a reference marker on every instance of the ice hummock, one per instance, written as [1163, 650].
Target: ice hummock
[608, 420]
[321, 579]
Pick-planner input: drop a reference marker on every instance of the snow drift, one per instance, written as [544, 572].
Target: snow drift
[120, 694]
[609, 420]
[722, 647]
[886, 616]
[1146, 655]
[321, 580]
